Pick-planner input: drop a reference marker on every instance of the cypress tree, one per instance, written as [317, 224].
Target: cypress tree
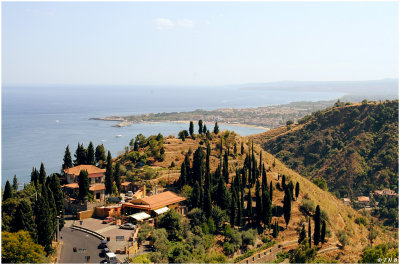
[323, 231]
[244, 176]
[182, 178]
[55, 187]
[43, 221]
[267, 211]
[35, 176]
[225, 170]
[67, 159]
[250, 205]
[117, 175]
[223, 195]
[283, 182]
[216, 128]
[271, 190]
[302, 234]
[42, 174]
[23, 219]
[195, 199]
[309, 231]
[291, 187]
[80, 155]
[287, 205]
[277, 228]
[109, 176]
[259, 207]
[189, 179]
[83, 181]
[100, 153]
[90, 156]
[8, 192]
[297, 190]
[198, 170]
[204, 129]
[207, 195]
[15, 183]
[200, 127]
[191, 129]
[235, 149]
[317, 225]
[233, 208]
[52, 210]
[264, 184]
[242, 149]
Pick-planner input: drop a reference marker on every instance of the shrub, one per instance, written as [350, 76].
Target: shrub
[308, 205]
[343, 238]
[228, 248]
[248, 237]
[361, 220]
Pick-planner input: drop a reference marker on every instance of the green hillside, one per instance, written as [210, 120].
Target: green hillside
[354, 148]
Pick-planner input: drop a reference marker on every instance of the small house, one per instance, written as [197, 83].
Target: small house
[95, 174]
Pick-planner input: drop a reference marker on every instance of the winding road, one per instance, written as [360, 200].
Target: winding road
[86, 245]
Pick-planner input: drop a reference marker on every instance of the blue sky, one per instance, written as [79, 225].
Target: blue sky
[192, 43]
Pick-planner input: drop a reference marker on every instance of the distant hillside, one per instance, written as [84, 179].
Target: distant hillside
[353, 147]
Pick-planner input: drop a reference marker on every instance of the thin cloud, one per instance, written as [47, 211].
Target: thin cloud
[163, 23]
[185, 23]
[167, 24]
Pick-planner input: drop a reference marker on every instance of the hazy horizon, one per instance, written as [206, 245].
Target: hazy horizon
[197, 44]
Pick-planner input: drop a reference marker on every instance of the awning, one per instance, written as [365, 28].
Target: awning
[140, 216]
[162, 210]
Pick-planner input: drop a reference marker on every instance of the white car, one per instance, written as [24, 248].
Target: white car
[128, 226]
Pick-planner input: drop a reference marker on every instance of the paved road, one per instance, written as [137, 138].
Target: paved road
[74, 238]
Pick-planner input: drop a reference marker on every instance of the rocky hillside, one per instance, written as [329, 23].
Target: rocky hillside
[354, 148]
[346, 237]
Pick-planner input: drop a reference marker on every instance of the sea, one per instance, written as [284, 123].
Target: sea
[39, 122]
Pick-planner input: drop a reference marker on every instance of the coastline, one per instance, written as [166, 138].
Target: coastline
[125, 123]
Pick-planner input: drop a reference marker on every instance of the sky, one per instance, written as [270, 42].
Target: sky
[197, 44]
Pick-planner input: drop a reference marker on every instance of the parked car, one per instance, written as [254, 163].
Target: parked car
[104, 251]
[128, 226]
[107, 220]
[111, 258]
[103, 244]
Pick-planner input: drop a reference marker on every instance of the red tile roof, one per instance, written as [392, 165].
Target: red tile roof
[363, 199]
[125, 183]
[157, 201]
[97, 187]
[89, 168]
[71, 186]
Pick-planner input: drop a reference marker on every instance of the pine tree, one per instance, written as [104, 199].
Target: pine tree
[109, 174]
[8, 192]
[216, 128]
[35, 176]
[100, 153]
[242, 149]
[323, 231]
[317, 226]
[15, 183]
[302, 234]
[309, 231]
[297, 190]
[42, 174]
[200, 126]
[191, 129]
[225, 170]
[287, 205]
[83, 181]
[117, 175]
[24, 219]
[90, 156]
[67, 159]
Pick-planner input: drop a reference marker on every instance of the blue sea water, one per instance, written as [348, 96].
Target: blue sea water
[39, 122]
